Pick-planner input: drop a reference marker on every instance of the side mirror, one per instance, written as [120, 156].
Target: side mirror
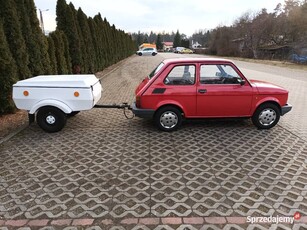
[242, 82]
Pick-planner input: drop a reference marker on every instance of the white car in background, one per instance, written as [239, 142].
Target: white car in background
[147, 51]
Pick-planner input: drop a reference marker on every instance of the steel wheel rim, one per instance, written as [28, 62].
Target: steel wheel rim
[168, 120]
[50, 119]
[267, 116]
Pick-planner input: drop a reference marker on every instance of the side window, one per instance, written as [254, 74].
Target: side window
[219, 74]
[181, 75]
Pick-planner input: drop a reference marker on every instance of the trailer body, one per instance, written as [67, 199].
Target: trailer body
[65, 94]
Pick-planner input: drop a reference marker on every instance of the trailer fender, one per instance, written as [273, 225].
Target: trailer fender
[58, 104]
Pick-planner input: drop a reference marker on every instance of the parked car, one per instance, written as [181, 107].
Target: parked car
[178, 49]
[186, 51]
[298, 59]
[147, 51]
[207, 88]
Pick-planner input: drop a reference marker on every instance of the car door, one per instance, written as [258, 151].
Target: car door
[175, 86]
[221, 92]
[147, 51]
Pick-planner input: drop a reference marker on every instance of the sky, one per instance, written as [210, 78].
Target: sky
[187, 16]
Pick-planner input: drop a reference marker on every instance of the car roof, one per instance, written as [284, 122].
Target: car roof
[193, 60]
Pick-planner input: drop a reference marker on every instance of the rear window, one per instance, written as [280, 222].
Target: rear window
[156, 70]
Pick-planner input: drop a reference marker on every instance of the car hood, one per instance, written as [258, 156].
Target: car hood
[267, 88]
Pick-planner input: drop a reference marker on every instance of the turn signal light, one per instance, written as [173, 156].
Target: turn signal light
[76, 94]
[26, 93]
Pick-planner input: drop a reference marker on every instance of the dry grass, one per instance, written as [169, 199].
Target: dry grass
[285, 64]
[11, 122]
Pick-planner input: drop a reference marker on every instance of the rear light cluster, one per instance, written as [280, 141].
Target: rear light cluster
[138, 101]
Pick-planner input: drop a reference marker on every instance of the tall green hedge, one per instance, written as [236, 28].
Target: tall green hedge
[8, 74]
[80, 44]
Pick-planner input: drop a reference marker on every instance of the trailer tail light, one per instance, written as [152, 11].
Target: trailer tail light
[138, 101]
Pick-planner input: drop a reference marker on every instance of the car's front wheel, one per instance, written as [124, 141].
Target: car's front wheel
[266, 116]
[140, 54]
[168, 118]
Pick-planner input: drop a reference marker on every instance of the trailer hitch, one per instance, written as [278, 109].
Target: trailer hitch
[123, 106]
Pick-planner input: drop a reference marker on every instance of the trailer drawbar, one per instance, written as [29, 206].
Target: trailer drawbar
[123, 106]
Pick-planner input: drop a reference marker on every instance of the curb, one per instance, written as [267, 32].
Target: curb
[13, 133]
[147, 221]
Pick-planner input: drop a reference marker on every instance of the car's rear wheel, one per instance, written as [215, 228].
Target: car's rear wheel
[266, 116]
[154, 54]
[168, 118]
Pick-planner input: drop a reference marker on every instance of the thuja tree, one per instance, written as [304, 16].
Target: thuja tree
[15, 40]
[66, 23]
[61, 52]
[8, 71]
[39, 37]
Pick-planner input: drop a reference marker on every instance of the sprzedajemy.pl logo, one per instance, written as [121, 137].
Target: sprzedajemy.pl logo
[273, 219]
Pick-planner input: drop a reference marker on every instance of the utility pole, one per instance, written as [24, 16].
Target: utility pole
[41, 19]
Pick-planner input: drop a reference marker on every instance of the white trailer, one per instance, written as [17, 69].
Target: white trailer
[51, 98]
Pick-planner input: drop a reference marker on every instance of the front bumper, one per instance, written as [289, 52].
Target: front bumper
[143, 113]
[285, 109]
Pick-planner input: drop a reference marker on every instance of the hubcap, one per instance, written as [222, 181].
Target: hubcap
[50, 119]
[168, 119]
[267, 117]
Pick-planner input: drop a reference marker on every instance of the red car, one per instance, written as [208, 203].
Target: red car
[207, 88]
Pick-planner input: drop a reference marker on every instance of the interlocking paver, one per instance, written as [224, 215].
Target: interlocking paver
[106, 168]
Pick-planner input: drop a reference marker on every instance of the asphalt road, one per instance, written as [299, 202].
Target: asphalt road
[103, 171]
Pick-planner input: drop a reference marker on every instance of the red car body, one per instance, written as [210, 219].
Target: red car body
[206, 94]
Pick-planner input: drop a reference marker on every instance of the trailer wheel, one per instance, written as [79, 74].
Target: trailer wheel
[51, 119]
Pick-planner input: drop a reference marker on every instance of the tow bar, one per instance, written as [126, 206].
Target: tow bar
[123, 106]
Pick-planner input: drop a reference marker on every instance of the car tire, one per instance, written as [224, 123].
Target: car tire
[266, 116]
[154, 54]
[72, 114]
[51, 119]
[140, 54]
[168, 118]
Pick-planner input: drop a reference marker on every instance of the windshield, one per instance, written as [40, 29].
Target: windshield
[156, 70]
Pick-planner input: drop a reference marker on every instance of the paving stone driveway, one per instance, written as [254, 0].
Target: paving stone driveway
[106, 172]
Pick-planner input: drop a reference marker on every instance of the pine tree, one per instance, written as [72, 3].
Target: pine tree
[159, 42]
[177, 40]
[12, 30]
[8, 74]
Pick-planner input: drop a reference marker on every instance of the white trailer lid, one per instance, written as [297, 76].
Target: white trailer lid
[59, 81]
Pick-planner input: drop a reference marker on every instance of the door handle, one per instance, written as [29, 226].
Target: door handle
[202, 91]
